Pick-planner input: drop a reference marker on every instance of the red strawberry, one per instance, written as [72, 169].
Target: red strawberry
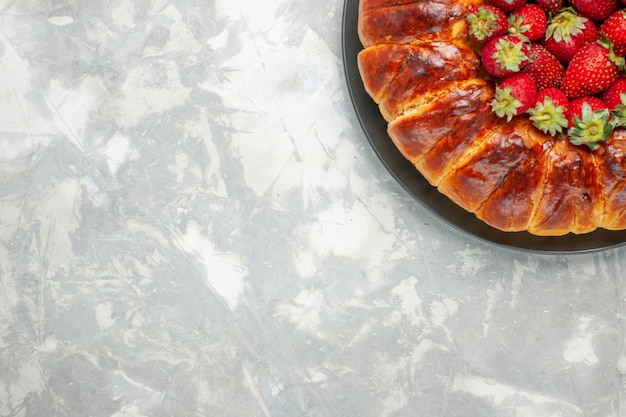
[614, 28]
[544, 68]
[615, 100]
[505, 55]
[567, 33]
[592, 70]
[595, 9]
[589, 120]
[514, 96]
[574, 108]
[548, 111]
[551, 6]
[529, 22]
[485, 22]
[508, 5]
[612, 96]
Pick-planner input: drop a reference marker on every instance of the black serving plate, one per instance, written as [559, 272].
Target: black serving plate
[375, 129]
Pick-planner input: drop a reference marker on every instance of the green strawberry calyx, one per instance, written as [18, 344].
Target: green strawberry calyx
[618, 114]
[565, 24]
[590, 128]
[505, 104]
[510, 55]
[548, 117]
[483, 23]
[517, 27]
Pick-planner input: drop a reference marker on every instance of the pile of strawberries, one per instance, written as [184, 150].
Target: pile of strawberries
[559, 62]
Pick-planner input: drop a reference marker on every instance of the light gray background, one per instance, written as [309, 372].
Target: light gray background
[192, 223]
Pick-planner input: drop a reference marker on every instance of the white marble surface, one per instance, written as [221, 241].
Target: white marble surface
[192, 223]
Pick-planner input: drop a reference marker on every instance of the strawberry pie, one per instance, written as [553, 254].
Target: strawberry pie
[513, 109]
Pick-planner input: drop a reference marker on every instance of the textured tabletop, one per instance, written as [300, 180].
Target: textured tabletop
[193, 223]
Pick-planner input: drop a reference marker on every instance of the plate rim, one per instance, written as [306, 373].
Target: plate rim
[375, 129]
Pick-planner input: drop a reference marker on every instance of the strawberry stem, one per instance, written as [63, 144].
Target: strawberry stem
[505, 104]
[590, 128]
[565, 24]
